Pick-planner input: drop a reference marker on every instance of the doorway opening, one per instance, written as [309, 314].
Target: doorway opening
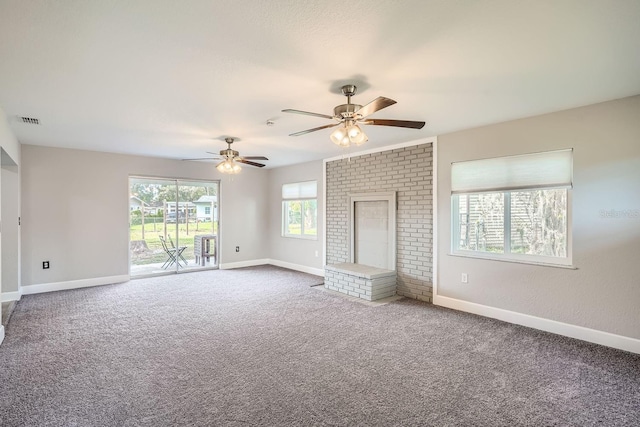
[173, 225]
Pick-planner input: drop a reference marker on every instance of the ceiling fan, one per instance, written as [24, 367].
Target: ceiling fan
[230, 159]
[351, 115]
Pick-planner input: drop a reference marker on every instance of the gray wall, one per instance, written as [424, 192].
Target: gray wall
[408, 171]
[8, 141]
[10, 150]
[604, 292]
[75, 211]
[9, 213]
[288, 249]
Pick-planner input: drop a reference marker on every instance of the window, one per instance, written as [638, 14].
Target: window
[207, 210]
[513, 208]
[300, 210]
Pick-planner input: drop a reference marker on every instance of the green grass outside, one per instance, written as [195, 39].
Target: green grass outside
[154, 252]
[295, 229]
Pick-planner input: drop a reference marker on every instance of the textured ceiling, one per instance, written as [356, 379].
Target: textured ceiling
[172, 78]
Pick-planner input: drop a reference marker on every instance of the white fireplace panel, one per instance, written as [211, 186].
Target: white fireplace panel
[372, 233]
[373, 229]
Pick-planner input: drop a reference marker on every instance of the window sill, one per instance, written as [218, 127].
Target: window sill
[300, 237]
[512, 260]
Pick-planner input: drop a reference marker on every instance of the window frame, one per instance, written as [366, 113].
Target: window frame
[565, 262]
[301, 200]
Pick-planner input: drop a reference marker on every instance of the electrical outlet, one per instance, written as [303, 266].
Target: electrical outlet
[45, 264]
[237, 248]
[465, 278]
[316, 254]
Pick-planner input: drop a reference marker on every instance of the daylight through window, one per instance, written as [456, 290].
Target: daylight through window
[300, 210]
[514, 208]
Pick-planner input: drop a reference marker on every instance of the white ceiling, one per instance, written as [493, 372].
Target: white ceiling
[171, 78]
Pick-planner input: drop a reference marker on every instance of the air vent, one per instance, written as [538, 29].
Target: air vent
[29, 120]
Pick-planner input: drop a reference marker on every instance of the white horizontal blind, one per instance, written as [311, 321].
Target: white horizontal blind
[538, 170]
[300, 190]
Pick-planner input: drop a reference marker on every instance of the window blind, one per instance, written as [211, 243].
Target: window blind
[538, 170]
[300, 190]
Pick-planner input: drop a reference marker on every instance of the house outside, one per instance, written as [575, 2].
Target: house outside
[206, 208]
[135, 204]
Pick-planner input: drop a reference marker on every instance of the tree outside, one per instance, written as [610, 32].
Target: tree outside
[538, 220]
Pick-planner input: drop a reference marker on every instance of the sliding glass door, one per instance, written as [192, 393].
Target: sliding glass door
[173, 225]
[198, 232]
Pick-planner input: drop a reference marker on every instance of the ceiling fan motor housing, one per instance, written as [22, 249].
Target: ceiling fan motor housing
[345, 111]
[229, 153]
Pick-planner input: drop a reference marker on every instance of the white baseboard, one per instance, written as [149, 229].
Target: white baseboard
[277, 263]
[1, 334]
[73, 284]
[11, 296]
[590, 335]
[297, 267]
[240, 264]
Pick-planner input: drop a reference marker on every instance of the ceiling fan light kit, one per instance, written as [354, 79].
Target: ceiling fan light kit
[349, 134]
[350, 115]
[228, 166]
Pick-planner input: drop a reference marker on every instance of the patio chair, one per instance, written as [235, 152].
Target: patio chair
[180, 250]
[174, 254]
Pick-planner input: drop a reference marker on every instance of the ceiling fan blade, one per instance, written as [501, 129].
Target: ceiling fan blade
[247, 162]
[396, 123]
[324, 116]
[376, 105]
[205, 158]
[253, 157]
[303, 132]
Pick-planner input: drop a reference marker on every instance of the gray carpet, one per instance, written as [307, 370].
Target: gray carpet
[260, 346]
[7, 311]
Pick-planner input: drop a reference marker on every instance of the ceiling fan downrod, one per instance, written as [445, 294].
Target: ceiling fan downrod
[346, 111]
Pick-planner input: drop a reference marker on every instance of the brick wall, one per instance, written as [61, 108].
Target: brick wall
[409, 172]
